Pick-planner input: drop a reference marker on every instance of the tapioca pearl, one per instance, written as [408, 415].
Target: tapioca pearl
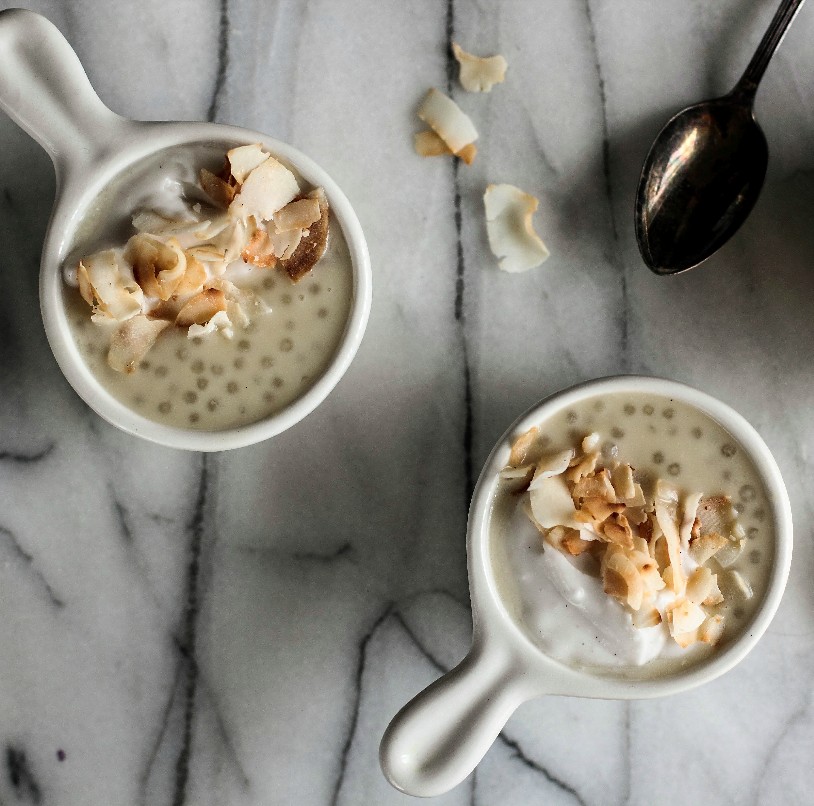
[648, 409]
[726, 475]
[629, 409]
[161, 371]
[268, 397]
[747, 492]
[728, 450]
[599, 405]
[760, 514]
[301, 297]
[268, 283]
[197, 341]
[232, 388]
[571, 417]
[216, 369]
[668, 413]
[739, 507]
[315, 288]
[697, 433]
[752, 532]
[190, 397]
[277, 382]
[739, 612]
[138, 400]
[244, 345]
[145, 365]
[617, 433]
[658, 458]
[197, 366]
[674, 469]
[322, 313]
[182, 353]
[266, 362]
[286, 345]
[754, 556]
[610, 450]
[212, 404]
[239, 362]
[286, 299]
[651, 429]
[194, 417]
[545, 441]
[289, 325]
[165, 407]
[202, 383]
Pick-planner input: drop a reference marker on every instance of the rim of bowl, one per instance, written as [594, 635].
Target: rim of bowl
[139, 141]
[484, 587]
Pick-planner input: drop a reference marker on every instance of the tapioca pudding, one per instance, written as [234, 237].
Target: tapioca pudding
[631, 534]
[209, 296]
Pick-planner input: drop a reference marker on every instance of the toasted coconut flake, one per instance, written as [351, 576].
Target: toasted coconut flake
[583, 467]
[666, 502]
[573, 543]
[523, 472]
[429, 144]
[595, 510]
[688, 519]
[706, 546]
[219, 323]
[596, 485]
[244, 159]
[590, 443]
[734, 585]
[730, 552]
[551, 466]
[259, 251]
[551, 503]
[447, 120]
[284, 244]
[221, 192]
[193, 279]
[621, 579]
[312, 246]
[617, 530]
[103, 284]
[479, 74]
[623, 484]
[686, 639]
[699, 585]
[158, 267]
[510, 230]
[522, 447]
[266, 189]
[132, 340]
[683, 616]
[167, 309]
[201, 308]
[714, 597]
[298, 214]
[711, 630]
[716, 514]
[644, 618]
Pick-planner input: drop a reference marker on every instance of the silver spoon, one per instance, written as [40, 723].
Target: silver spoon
[705, 169]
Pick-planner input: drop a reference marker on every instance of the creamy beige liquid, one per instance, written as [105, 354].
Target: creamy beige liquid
[212, 383]
[566, 613]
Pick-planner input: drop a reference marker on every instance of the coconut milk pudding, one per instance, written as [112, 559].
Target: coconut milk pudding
[246, 325]
[631, 535]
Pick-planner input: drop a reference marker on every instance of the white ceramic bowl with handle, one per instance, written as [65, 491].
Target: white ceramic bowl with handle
[439, 737]
[44, 89]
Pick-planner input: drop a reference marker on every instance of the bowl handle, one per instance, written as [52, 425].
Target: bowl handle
[439, 737]
[44, 89]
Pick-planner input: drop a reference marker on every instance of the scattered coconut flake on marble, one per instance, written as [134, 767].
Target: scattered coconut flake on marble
[450, 123]
[510, 230]
[479, 74]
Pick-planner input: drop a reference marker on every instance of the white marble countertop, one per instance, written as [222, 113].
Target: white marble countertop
[239, 628]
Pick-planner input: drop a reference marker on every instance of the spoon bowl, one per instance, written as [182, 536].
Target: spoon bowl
[699, 183]
[704, 171]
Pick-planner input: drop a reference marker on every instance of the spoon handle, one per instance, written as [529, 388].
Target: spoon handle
[748, 84]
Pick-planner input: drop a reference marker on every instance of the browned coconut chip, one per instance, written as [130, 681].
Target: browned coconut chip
[298, 214]
[193, 279]
[258, 251]
[219, 190]
[158, 267]
[429, 144]
[201, 308]
[312, 246]
[510, 230]
[267, 188]
[104, 287]
[132, 340]
[449, 122]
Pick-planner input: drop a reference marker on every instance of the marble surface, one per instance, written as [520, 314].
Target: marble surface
[239, 628]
